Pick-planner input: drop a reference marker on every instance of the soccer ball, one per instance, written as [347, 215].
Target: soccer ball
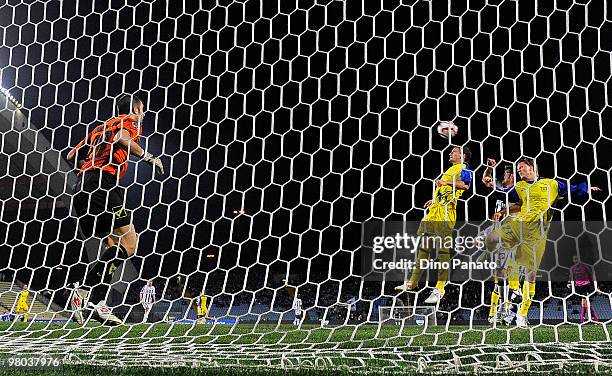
[447, 129]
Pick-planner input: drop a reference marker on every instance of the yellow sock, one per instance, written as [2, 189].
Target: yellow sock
[528, 293]
[443, 256]
[513, 283]
[494, 302]
[416, 272]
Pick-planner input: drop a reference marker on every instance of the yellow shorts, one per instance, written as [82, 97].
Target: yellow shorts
[529, 238]
[202, 311]
[22, 308]
[440, 221]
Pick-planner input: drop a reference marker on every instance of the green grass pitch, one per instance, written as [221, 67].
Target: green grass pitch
[226, 349]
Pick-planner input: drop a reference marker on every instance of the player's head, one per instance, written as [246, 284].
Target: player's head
[150, 282]
[459, 155]
[25, 287]
[575, 259]
[508, 177]
[130, 104]
[526, 168]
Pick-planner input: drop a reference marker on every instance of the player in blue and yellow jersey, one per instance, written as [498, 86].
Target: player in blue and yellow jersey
[533, 199]
[22, 307]
[440, 218]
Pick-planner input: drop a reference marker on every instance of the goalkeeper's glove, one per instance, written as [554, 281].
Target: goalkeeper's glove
[154, 161]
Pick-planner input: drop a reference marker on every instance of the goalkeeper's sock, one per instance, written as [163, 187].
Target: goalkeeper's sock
[528, 294]
[101, 274]
[108, 262]
[494, 301]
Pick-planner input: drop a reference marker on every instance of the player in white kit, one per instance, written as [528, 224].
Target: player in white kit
[297, 309]
[147, 299]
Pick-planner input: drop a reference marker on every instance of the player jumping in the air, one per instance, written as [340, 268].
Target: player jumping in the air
[147, 299]
[103, 158]
[504, 258]
[533, 199]
[440, 219]
[201, 308]
[582, 275]
[297, 310]
[22, 308]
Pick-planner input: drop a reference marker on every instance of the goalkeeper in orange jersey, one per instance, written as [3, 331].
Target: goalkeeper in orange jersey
[22, 307]
[103, 158]
[533, 199]
[440, 219]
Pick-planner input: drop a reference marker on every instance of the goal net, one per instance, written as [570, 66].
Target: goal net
[293, 135]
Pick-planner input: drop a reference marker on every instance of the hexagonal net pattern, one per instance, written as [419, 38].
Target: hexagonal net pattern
[283, 127]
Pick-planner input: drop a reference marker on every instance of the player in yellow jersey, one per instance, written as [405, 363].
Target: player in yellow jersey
[22, 307]
[202, 308]
[533, 199]
[440, 219]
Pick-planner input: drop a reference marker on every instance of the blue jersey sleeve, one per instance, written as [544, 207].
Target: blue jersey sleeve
[466, 176]
[579, 190]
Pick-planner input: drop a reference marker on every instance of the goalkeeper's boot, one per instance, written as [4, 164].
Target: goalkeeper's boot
[104, 315]
[407, 286]
[77, 303]
[435, 296]
[521, 321]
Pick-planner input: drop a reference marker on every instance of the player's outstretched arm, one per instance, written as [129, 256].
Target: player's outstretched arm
[125, 140]
[463, 182]
[578, 190]
[514, 208]
[459, 184]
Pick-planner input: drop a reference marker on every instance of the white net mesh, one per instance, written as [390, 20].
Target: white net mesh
[282, 128]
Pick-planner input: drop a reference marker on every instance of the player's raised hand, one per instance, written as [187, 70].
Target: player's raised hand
[491, 162]
[155, 162]
[428, 203]
[498, 216]
[488, 181]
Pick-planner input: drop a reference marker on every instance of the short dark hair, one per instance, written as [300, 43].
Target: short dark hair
[125, 103]
[526, 160]
[467, 154]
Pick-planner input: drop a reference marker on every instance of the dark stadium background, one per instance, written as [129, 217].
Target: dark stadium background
[313, 118]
